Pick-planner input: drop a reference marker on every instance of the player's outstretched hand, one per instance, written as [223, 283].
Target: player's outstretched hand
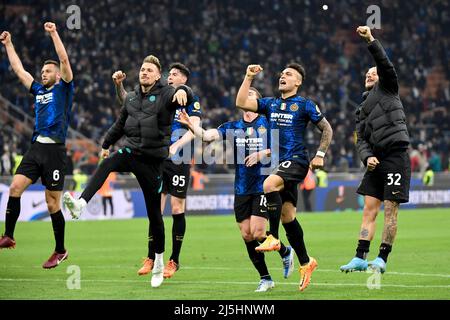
[316, 163]
[365, 33]
[372, 162]
[118, 77]
[180, 97]
[5, 37]
[253, 70]
[50, 27]
[184, 118]
[104, 154]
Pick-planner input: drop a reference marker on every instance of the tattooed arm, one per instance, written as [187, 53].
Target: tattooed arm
[325, 140]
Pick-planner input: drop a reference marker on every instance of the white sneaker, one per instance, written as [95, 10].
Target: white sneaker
[288, 263]
[158, 273]
[265, 285]
[75, 206]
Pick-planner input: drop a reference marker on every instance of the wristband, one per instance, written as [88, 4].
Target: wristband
[320, 154]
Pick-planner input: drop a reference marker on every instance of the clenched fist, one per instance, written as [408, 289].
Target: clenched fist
[253, 70]
[372, 162]
[50, 27]
[104, 153]
[365, 33]
[316, 163]
[5, 37]
[118, 77]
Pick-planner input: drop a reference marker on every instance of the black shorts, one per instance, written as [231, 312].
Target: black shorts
[249, 205]
[46, 161]
[292, 173]
[176, 179]
[389, 180]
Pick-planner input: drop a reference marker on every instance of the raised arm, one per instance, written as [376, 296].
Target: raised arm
[66, 70]
[385, 68]
[206, 135]
[325, 141]
[182, 96]
[242, 100]
[118, 78]
[24, 76]
[186, 138]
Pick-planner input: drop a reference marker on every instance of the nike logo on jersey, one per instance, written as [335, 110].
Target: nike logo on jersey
[395, 192]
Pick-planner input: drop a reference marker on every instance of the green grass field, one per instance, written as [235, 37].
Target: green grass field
[214, 262]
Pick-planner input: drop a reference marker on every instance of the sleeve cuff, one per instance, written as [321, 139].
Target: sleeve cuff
[105, 145]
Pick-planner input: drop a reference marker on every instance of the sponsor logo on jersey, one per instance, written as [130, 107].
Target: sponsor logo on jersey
[44, 98]
[249, 140]
[275, 115]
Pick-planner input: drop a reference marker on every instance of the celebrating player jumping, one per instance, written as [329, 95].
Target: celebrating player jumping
[145, 120]
[249, 137]
[382, 143]
[176, 174]
[46, 158]
[288, 115]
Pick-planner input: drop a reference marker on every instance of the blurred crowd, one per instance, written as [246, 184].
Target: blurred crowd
[218, 39]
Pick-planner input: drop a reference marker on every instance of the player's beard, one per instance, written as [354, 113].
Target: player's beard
[370, 86]
[146, 83]
[49, 83]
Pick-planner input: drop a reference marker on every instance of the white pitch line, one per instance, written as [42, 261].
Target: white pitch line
[232, 283]
[438, 275]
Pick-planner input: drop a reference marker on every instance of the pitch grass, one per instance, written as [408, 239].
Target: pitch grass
[214, 262]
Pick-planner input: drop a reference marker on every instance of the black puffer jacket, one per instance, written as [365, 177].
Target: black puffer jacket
[145, 120]
[380, 119]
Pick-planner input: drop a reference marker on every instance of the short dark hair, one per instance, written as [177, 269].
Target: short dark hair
[257, 92]
[51, 62]
[298, 67]
[179, 66]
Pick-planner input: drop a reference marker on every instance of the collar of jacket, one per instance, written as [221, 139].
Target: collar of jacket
[154, 90]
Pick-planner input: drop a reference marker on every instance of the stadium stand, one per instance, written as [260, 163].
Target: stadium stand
[218, 39]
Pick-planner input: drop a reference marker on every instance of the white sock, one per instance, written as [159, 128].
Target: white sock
[159, 257]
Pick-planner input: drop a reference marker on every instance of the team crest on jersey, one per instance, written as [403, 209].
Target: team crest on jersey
[249, 131]
[262, 130]
[293, 107]
[152, 98]
[283, 106]
[197, 105]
